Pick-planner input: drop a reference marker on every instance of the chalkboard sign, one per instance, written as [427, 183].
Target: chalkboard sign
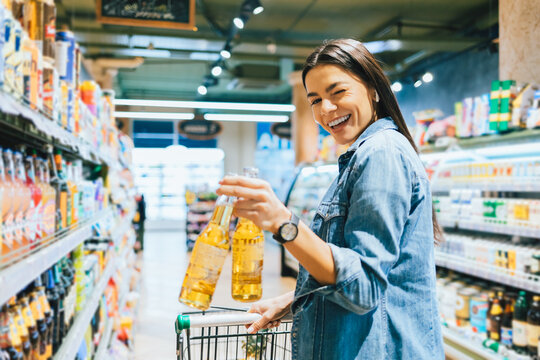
[282, 130]
[199, 129]
[171, 14]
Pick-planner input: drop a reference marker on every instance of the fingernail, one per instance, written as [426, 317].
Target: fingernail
[251, 330]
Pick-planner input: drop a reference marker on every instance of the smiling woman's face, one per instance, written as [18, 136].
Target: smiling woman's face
[340, 102]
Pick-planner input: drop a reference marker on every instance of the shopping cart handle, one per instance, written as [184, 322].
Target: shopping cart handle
[197, 321]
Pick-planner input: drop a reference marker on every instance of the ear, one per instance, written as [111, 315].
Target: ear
[376, 96]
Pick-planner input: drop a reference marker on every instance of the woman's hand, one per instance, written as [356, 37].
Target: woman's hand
[256, 201]
[272, 311]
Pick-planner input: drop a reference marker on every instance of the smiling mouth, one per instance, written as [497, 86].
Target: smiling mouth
[338, 121]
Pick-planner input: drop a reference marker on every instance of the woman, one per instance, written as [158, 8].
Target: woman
[366, 286]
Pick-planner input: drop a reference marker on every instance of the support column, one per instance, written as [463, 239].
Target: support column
[519, 48]
[305, 131]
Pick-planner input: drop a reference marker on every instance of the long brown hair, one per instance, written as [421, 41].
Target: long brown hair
[355, 58]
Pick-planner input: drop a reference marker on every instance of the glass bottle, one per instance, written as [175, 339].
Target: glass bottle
[62, 193]
[40, 183]
[26, 204]
[30, 322]
[49, 204]
[207, 258]
[31, 228]
[6, 211]
[519, 324]
[495, 317]
[506, 322]
[533, 325]
[22, 330]
[46, 350]
[247, 257]
[11, 242]
[10, 340]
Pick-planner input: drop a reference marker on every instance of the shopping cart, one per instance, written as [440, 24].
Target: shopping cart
[220, 334]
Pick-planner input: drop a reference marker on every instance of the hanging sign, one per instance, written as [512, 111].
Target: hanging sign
[199, 129]
[177, 14]
[282, 130]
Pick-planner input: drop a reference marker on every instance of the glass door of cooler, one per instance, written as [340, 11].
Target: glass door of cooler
[306, 192]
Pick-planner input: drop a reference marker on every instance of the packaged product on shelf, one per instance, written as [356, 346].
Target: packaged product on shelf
[49, 24]
[32, 215]
[533, 325]
[209, 253]
[2, 42]
[65, 56]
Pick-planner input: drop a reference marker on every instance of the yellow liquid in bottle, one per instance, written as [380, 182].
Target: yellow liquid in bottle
[247, 261]
[207, 258]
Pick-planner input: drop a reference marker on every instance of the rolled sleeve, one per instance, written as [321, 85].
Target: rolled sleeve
[380, 190]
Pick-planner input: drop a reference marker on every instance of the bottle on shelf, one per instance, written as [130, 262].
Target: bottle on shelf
[74, 192]
[11, 242]
[495, 317]
[53, 297]
[39, 318]
[63, 200]
[10, 339]
[519, 324]
[48, 316]
[26, 205]
[533, 325]
[6, 211]
[30, 323]
[207, 258]
[506, 322]
[24, 347]
[49, 203]
[247, 257]
[32, 218]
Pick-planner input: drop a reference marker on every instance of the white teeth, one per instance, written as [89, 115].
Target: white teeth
[339, 121]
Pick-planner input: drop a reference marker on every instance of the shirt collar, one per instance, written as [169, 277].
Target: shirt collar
[375, 127]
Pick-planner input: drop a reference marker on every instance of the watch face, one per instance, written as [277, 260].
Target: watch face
[288, 232]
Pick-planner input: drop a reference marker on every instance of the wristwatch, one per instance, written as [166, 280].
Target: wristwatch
[288, 230]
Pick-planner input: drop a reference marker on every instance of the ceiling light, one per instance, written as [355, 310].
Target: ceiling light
[207, 105]
[225, 53]
[216, 70]
[202, 90]
[153, 115]
[259, 9]
[427, 77]
[417, 83]
[247, 117]
[396, 86]
[239, 23]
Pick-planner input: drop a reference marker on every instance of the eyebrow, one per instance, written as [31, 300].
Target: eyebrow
[328, 89]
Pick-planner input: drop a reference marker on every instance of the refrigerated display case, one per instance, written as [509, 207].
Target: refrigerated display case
[306, 191]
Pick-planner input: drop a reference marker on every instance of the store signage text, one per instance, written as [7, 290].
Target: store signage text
[199, 129]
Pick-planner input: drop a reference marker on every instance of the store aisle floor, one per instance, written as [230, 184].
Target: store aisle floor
[165, 262]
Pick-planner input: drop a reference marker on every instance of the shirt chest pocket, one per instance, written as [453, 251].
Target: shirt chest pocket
[329, 222]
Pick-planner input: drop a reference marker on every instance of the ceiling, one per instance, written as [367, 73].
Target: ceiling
[402, 34]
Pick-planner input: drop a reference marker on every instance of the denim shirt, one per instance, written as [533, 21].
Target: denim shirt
[376, 218]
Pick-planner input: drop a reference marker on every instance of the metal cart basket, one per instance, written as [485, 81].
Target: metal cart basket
[220, 334]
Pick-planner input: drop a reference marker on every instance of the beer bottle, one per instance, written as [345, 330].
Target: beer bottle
[247, 257]
[207, 258]
[491, 298]
[495, 317]
[533, 325]
[519, 324]
[506, 323]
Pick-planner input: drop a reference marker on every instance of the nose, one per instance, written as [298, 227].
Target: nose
[327, 106]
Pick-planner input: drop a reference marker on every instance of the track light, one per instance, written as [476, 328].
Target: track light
[427, 77]
[259, 9]
[226, 54]
[417, 83]
[396, 86]
[238, 22]
[216, 70]
[203, 90]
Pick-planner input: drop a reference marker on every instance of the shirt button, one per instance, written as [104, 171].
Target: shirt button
[294, 335]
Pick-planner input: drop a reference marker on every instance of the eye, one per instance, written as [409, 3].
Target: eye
[339, 91]
[316, 101]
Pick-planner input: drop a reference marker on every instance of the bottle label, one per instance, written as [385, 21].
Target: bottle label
[506, 336]
[519, 333]
[49, 213]
[533, 332]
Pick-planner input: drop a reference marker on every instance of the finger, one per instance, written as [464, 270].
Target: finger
[241, 192]
[247, 214]
[244, 204]
[244, 181]
[258, 325]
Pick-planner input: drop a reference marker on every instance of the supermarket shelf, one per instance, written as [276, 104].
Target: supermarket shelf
[491, 228]
[514, 137]
[105, 340]
[43, 130]
[73, 340]
[15, 277]
[522, 281]
[123, 228]
[489, 186]
[470, 345]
